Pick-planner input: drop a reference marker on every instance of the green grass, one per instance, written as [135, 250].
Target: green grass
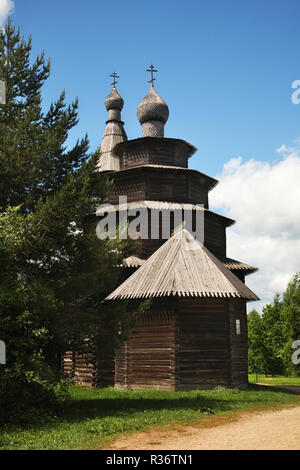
[274, 380]
[93, 416]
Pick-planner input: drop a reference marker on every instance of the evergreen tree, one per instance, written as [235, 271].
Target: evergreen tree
[33, 157]
[54, 271]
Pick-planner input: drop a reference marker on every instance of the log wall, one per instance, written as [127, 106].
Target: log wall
[162, 185]
[80, 367]
[193, 345]
[202, 344]
[239, 344]
[214, 233]
[88, 371]
[147, 360]
[154, 151]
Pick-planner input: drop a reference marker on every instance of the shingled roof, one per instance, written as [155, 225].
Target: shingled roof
[235, 265]
[182, 266]
[159, 205]
[231, 264]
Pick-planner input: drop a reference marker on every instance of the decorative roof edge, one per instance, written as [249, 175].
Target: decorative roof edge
[155, 139]
[213, 181]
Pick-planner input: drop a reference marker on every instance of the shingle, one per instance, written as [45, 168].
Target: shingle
[182, 266]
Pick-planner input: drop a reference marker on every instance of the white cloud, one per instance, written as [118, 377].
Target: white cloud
[6, 8]
[264, 199]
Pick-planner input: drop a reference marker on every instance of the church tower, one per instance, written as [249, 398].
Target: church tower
[114, 132]
[195, 334]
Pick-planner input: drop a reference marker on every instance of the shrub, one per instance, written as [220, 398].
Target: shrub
[26, 399]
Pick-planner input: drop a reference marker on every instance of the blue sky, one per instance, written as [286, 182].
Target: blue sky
[225, 67]
[225, 70]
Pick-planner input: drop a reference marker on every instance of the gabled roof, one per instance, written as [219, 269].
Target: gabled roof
[182, 266]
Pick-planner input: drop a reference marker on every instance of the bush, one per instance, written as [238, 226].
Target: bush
[26, 399]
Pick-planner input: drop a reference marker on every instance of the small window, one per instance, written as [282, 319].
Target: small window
[238, 326]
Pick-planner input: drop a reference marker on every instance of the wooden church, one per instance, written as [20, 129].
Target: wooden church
[195, 334]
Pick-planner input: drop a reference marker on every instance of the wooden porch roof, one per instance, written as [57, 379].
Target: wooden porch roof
[183, 267]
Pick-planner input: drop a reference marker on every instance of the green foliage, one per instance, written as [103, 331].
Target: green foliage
[92, 417]
[256, 344]
[275, 380]
[272, 323]
[54, 271]
[33, 157]
[291, 323]
[271, 334]
[25, 398]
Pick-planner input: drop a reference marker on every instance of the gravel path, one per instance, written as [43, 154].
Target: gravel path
[252, 430]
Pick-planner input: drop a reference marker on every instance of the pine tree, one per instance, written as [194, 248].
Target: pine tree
[34, 160]
[54, 271]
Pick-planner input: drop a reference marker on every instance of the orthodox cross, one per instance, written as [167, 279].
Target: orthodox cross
[114, 75]
[151, 70]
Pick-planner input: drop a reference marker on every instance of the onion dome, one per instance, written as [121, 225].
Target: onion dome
[114, 132]
[153, 113]
[114, 100]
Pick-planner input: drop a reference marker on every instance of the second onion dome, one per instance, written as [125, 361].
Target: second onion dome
[153, 113]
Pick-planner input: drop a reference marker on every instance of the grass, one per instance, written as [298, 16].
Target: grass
[93, 417]
[274, 380]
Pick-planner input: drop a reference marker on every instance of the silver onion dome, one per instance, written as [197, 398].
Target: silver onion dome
[153, 113]
[114, 100]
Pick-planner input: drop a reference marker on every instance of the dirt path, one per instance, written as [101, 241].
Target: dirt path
[251, 430]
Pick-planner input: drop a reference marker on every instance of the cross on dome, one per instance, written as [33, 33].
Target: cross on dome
[114, 76]
[152, 111]
[151, 70]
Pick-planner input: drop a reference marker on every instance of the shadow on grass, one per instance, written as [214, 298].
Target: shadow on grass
[101, 413]
[119, 406]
